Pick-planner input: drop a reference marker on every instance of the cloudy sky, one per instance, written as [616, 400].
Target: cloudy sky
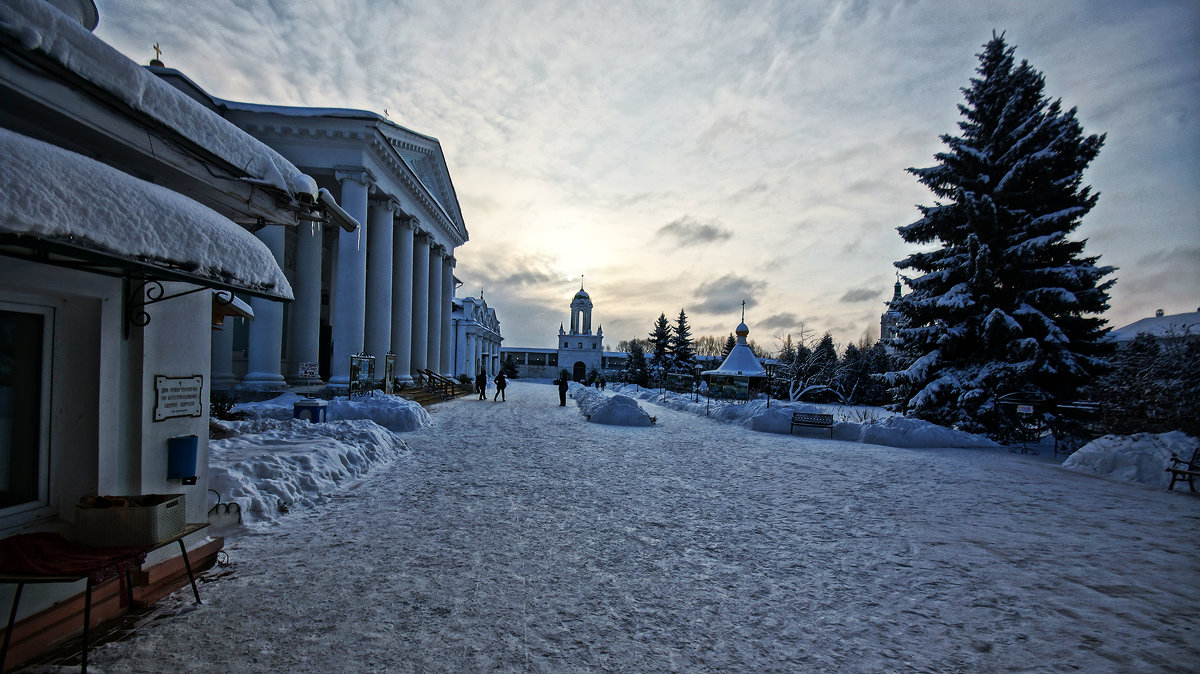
[694, 154]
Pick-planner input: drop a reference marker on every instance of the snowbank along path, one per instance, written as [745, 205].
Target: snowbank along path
[519, 537]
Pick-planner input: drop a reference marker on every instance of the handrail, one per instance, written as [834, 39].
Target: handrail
[441, 385]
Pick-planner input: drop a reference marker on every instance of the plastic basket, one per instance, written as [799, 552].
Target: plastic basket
[130, 525]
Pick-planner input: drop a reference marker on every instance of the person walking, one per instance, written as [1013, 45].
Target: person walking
[481, 385]
[562, 389]
[501, 382]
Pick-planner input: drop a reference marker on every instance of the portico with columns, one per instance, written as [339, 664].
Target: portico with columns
[476, 337]
[386, 287]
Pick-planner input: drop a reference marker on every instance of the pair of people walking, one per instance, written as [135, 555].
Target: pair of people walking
[481, 385]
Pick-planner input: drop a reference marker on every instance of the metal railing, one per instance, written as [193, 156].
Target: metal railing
[443, 387]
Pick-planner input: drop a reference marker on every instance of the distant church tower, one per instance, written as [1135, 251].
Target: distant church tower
[579, 351]
[889, 322]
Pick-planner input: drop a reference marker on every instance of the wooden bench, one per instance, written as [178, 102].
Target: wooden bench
[1185, 470]
[812, 421]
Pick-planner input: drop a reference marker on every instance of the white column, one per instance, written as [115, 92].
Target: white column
[468, 353]
[420, 311]
[433, 348]
[351, 289]
[378, 338]
[402, 296]
[222, 354]
[305, 344]
[447, 309]
[265, 347]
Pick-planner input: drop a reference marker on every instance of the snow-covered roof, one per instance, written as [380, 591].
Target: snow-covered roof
[1176, 325]
[740, 362]
[39, 26]
[64, 200]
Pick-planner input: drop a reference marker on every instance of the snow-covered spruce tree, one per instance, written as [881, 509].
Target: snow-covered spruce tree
[635, 368]
[660, 337]
[679, 346]
[508, 366]
[730, 342]
[1005, 302]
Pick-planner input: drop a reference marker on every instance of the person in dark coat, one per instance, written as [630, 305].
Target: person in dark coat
[481, 385]
[562, 390]
[501, 382]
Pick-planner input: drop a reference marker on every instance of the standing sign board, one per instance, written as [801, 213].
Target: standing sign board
[680, 382]
[178, 396]
[730, 387]
[307, 370]
[389, 373]
[362, 371]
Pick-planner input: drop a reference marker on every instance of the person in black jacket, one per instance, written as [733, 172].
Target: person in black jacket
[501, 382]
[562, 389]
[481, 385]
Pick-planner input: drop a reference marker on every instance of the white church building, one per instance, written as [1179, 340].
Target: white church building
[578, 350]
[385, 288]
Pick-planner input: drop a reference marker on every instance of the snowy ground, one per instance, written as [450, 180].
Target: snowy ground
[518, 536]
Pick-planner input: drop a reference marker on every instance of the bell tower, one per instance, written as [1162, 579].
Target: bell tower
[581, 313]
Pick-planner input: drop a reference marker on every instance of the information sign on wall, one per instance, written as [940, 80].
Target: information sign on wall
[178, 396]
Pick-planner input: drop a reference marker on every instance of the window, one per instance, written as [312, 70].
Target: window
[565, 345]
[580, 345]
[593, 345]
[25, 340]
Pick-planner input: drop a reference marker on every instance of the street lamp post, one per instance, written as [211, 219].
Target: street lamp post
[770, 374]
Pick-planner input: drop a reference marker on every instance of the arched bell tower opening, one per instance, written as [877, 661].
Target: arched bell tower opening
[581, 313]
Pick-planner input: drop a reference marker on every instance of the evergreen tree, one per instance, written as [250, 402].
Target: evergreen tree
[824, 362]
[787, 352]
[661, 339]
[1006, 301]
[635, 368]
[508, 366]
[729, 344]
[852, 371]
[679, 347]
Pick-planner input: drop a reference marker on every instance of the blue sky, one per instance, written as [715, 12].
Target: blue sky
[693, 154]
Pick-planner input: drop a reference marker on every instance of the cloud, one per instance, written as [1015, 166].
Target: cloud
[726, 294]
[777, 321]
[574, 131]
[519, 271]
[860, 295]
[690, 232]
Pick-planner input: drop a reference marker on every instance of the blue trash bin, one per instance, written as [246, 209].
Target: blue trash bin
[315, 411]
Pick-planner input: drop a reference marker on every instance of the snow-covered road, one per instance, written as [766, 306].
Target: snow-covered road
[519, 537]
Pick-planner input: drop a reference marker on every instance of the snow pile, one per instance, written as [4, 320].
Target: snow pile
[269, 466]
[615, 410]
[1138, 458]
[907, 432]
[870, 425]
[37, 25]
[63, 196]
[394, 413]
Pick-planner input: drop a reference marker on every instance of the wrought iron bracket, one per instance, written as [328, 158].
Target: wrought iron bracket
[141, 293]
